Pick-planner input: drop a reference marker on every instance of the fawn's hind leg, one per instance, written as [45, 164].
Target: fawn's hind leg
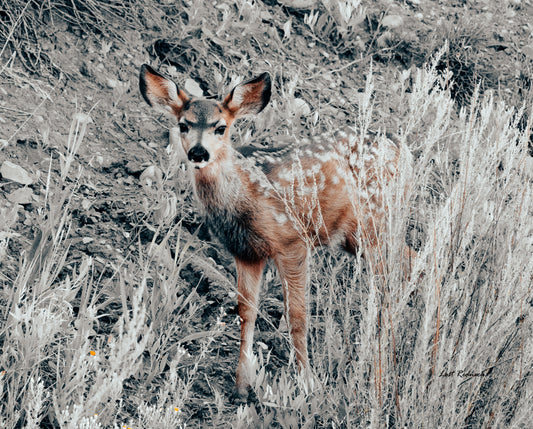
[249, 276]
[293, 272]
[374, 256]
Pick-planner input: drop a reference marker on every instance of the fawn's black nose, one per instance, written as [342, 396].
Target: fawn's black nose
[198, 154]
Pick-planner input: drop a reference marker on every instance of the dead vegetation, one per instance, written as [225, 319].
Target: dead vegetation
[116, 309]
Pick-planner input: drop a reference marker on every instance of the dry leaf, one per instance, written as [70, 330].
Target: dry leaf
[300, 4]
[301, 107]
[150, 175]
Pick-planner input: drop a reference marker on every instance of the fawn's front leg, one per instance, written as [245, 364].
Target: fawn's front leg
[249, 276]
[293, 272]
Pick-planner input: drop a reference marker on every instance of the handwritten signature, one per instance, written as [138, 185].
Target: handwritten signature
[463, 373]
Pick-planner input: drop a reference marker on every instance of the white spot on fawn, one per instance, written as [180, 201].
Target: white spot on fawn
[281, 218]
[285, 174]
[367, 157]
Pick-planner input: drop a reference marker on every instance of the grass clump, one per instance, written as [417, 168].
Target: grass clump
[446, 347]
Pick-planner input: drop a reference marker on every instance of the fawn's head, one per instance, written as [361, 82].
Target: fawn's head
[204, 124]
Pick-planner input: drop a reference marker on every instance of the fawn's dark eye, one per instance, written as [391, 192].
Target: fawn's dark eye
[183, 128]
[220, 130]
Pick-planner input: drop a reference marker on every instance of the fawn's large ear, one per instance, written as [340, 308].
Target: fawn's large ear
[249, 98]
[160, 92]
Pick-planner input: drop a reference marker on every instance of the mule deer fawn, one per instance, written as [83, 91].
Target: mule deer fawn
[275, 205]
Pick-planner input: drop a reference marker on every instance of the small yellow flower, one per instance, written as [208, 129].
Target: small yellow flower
[92, 353]
[176, 409]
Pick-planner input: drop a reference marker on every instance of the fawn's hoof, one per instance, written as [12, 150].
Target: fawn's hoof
[243, 395]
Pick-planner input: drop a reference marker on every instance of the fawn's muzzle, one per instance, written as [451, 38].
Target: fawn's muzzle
[198, 154]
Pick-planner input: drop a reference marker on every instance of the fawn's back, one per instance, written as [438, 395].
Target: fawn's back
[317, 193]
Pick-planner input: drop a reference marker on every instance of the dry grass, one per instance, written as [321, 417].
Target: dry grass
[152, 341]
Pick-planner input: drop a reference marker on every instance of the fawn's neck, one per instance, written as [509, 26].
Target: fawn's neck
[218, 185]
[226, 193]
